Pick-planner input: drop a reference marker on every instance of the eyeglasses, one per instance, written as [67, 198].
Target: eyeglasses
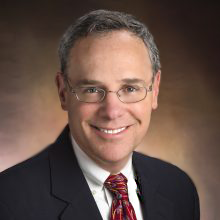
[126, 94]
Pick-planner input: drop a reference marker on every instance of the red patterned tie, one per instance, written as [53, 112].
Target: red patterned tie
[121, 207]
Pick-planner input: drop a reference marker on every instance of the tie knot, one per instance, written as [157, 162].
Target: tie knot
[117, 184]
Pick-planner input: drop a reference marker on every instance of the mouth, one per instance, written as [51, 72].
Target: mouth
[110, 131]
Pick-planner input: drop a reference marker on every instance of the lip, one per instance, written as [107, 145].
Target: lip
[99, 132]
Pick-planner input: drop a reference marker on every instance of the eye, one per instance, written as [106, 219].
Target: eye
[90, 90]
[131, 89]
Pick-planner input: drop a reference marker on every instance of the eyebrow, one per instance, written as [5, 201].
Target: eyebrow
[133, 81]
[85, 82]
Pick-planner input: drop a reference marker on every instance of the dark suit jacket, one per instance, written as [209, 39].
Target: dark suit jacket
[51, 186]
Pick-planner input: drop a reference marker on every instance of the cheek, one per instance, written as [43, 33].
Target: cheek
[81, 112]
[142, 112]
[145, 120]
[142, 115]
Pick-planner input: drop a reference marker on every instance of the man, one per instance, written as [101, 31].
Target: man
[108, 84]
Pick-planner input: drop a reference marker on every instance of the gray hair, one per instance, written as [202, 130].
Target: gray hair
[104, 21]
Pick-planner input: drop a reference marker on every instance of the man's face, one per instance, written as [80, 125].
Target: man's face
[109, 61]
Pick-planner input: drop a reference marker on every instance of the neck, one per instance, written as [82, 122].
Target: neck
[114, 167]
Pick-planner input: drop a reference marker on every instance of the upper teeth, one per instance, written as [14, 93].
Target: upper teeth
[115, 131]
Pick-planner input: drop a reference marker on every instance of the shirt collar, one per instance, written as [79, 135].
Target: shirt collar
[94, 172]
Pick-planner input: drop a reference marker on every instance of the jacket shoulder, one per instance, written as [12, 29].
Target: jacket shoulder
[171, 182]
[159, 169]
[22, 177]
[24, 183]
[29, 163]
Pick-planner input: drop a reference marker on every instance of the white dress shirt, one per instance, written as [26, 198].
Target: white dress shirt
[96, 176]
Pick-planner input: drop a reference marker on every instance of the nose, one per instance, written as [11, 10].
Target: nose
[111, 107]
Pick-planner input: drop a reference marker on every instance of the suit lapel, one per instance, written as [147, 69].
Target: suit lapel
[154, 205]
[68, 182]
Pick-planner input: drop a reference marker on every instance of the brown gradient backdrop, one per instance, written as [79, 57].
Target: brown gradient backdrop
[185, 128]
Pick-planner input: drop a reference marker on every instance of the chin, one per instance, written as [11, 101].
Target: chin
[115, 157]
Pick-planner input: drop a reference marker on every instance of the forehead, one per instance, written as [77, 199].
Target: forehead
[109, 57]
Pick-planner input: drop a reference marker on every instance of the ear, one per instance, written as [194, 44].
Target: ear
[62, 92]
[155, 90]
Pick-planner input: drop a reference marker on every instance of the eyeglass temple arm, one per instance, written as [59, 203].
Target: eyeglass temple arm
[68, 84]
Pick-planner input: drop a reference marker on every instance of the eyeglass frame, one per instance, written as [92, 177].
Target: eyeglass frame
[72, 90]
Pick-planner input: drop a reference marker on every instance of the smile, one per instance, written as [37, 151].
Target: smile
[110, 131]
[115, 131]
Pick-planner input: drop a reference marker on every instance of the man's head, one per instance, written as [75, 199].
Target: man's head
[109, 84]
